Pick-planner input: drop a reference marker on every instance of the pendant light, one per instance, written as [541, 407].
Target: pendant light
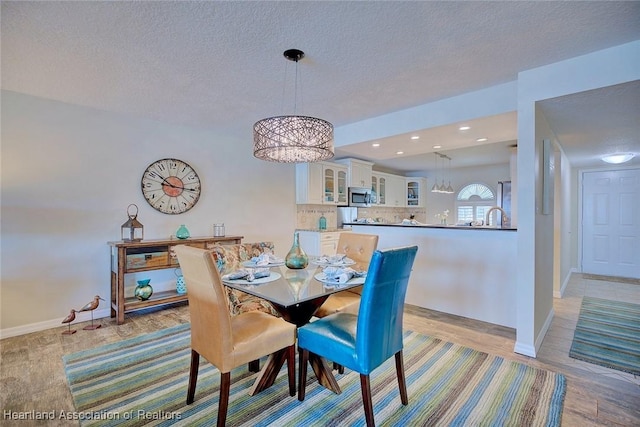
[435, 189]
[442, 188]
[293, 138]
[449, 187]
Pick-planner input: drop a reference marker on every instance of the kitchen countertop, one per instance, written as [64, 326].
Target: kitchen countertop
[317, 230]
[456, 227]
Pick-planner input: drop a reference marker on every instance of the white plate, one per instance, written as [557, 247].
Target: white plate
[355, 281]
[272, 277]
[252, 264]
[322, 263]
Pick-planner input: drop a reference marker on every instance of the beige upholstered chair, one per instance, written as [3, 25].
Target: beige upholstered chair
[229, 258]
[360, 248]
[227, 342]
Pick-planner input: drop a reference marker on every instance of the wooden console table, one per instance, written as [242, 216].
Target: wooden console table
[134, 257]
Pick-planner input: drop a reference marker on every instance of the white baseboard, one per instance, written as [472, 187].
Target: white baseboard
[525, 349]
[545, 329]
[84, 316]
[532, 350]
[565, 283]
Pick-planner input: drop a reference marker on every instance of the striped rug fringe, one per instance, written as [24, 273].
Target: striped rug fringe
[143, 381]
[608, 334]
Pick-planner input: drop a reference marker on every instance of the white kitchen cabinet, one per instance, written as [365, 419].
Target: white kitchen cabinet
[321, 183]
[416, 192]
[359, 172]
[317, 243]
[395, 191]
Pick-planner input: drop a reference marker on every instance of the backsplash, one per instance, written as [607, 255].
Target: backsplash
[392, 215]
[308, 216]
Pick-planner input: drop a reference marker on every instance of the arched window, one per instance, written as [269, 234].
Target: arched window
[473, 202]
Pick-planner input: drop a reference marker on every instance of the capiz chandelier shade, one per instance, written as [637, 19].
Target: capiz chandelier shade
[293, 138]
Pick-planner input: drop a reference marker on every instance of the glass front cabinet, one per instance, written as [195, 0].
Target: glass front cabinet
[416, 192]
[334, 184]
[321, 183]
[379, 185]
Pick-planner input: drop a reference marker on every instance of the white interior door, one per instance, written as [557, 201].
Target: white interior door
[611, 223]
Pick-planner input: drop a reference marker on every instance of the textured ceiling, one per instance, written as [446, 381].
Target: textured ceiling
[219, 64]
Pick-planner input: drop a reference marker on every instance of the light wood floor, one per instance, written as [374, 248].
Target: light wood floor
[32, 375]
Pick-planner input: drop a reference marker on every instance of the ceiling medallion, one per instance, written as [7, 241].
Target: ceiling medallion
[293, 138]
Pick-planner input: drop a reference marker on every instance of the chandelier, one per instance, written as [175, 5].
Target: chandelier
[293, 138]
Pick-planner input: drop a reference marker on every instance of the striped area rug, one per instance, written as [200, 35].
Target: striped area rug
[144, 381]
[608, 334]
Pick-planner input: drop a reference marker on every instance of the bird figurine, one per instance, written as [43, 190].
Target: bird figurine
[90, 307]
[70, 318]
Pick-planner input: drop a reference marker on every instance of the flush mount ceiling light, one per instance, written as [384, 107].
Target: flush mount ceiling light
[293, 138]
[618, 158]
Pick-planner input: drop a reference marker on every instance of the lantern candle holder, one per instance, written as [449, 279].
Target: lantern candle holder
[132, 230]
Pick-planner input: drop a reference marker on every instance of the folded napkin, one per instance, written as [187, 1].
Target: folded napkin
[265, 259]
[341, 275]
[334, 259]
[248, 275]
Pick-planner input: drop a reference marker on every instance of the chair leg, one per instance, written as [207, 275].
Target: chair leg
[366, 400]
[302, 371]
[402, 383]
[338, 368]
[291, 368]
[193, 376]
[225, 385]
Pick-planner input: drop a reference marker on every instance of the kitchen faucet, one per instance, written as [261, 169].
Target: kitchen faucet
[505, 218]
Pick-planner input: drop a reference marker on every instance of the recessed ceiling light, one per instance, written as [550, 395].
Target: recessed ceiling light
[399, 152]
[618, 158]
[481, 139]
[375, 144]
[437, 146]
[464, 127]
[415, 137]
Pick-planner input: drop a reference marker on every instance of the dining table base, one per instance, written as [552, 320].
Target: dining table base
[274, 363]
[298, 314]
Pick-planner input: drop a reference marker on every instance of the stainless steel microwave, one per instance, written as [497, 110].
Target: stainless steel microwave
[359, 197]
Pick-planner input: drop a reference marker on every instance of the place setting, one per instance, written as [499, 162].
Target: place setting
[339, 260]
[336, 276]
[251, 276]
[264, 260]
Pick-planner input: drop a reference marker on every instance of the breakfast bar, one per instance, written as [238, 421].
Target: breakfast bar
[466, 271]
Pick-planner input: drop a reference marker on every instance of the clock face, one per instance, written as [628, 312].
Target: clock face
[171, 186]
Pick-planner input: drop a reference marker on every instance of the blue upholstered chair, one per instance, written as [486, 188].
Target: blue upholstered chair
[364, 341]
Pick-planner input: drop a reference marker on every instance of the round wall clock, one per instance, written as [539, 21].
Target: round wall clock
[171, 186]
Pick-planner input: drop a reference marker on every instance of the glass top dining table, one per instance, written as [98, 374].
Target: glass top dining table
[295, 294]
